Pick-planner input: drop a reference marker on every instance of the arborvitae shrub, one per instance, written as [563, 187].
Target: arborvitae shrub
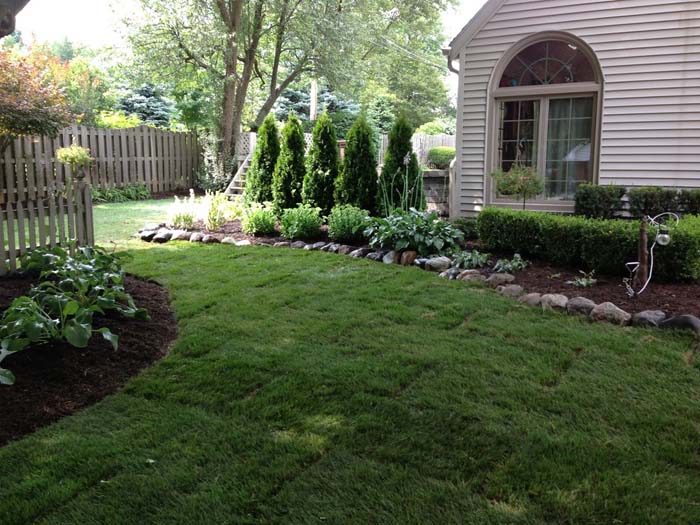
[290, 169]
[322, 166]
[357, 183]
[262, 168]
[401, 183]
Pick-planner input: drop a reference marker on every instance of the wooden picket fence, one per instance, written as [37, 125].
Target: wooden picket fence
[422, 144]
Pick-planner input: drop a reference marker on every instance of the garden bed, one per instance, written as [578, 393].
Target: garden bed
[57, 380]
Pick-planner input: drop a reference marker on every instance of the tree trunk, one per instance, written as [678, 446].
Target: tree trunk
[642, 275]
[231, 15]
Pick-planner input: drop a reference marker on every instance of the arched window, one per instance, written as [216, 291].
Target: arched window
[547, 101]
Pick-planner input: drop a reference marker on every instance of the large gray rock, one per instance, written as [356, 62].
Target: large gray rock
[360, 253]
[392, 258]
[243, 243]
[180, 235]
[609, 313]
[197, 237]
[228, 240]
[333, 248]
[375, 256]
[649, 318]
[466, 273]
[210, 239]
[531, 299]
[500, 279]
[147, 235]
[298, 245]
[421, 262]
[511, 290]
[682, 322]
[451, 274]
[345, 249]
[438, 264]
[554, 302]
[318, 246]
[154, 226]
[281, 245]
[163, 236]
[580, 306]
[473, 278]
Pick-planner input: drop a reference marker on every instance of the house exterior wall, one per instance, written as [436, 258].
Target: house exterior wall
[649, 53]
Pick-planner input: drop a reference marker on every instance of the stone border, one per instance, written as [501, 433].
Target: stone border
[503, 283]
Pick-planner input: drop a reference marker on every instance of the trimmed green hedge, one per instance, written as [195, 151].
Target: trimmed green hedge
[441, 156]
[589, 244]
[602, 202]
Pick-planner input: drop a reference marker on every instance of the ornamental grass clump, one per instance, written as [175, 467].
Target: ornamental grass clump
[347, 224]
[303, 222]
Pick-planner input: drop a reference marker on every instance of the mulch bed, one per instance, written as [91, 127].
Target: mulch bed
[57, 380]
[234, 230]
[673, 298]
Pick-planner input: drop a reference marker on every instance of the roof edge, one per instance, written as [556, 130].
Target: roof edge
[480, 19]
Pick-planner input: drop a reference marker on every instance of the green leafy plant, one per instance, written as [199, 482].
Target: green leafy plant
[357, 183]
[653, 200]
[62, 306]
[183, 213]
[259, 219]
[470, 260]
[422, 232]
[441, 157]
[587, 280]
[214, 206]
[303, 222]
[468, 226]
[599, 202]
[347, 224]
[520, 181]
[267, 151]
[516, 264]
[289, 172]
[74, 156]
[132, 192]
[322, 166]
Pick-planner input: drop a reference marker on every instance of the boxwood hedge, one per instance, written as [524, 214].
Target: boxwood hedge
[589, 244]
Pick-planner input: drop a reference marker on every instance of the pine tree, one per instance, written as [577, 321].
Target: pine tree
[262, 169]
[357, 184]
[401, 183]
[289, 173]
[322, 166]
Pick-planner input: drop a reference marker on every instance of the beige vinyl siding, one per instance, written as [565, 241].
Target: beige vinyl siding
[649, 53]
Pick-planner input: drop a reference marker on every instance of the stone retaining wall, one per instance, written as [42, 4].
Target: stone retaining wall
[437, 190]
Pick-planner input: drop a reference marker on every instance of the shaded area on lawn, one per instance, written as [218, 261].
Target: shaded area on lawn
[310, 387]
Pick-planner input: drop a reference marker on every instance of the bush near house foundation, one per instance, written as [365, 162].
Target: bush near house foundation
[591, 244]
[603, 202]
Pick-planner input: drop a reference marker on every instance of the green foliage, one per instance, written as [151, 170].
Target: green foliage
[422, 232]
[116, 120]
[322, 166]
[148, 103]
[259, 220]
[215, 207]
[381, 113]
[302, 222]
[470, 260]
[689, 201]
[132, 192]
[262, 168]
[468, 227]
[183, 213]
[357, 182]
[653, 200]
[71, 291]
[599, 202]
[587, 280]
[514, 265]
[297, 102]
[596, 244]
[443, 126]
[290, 169]
[401, 183]
[74, 156]
[520, 181]
[440, 157]
[347, 224]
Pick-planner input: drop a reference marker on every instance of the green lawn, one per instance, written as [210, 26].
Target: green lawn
[116, 223]
[313, 388]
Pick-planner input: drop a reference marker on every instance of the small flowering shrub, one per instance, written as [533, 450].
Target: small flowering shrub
[303, 222]
[422, 232]
[347, 224]
[259, 220]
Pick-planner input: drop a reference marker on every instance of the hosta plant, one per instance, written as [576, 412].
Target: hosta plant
[62, 306]
[516, 264]
[470, 260]
[422, 232]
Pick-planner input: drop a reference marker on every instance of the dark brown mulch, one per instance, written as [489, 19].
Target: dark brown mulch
[674, 298]
[234, 230]
[58, 380]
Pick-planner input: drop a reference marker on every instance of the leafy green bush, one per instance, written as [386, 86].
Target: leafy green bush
[653, 200]
[347, 224]
[689, 201]
[440, 157]
[302, 222]
[470, 260]
[401, 183]
[262, 168]
[215, 206]
[445, 126]
[322, 166]
[521, 182]
[183, 213]
[422, 232]
[290, 169]
[599, 202]
[74, 156]
[71, 291]
[357, 182]
[468, 227]
[514, 265]
[259, 220]
[594, 244]
[132, 192]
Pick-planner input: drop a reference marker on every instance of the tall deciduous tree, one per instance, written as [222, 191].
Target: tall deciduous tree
[262, 168]
[30, 102]
[357, 183]
[322, 166]
[290, 169]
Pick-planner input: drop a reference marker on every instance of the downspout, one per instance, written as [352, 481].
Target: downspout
[453, 188]
[448, 53]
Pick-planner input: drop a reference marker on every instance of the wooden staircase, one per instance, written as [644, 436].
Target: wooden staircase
[237, 184]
